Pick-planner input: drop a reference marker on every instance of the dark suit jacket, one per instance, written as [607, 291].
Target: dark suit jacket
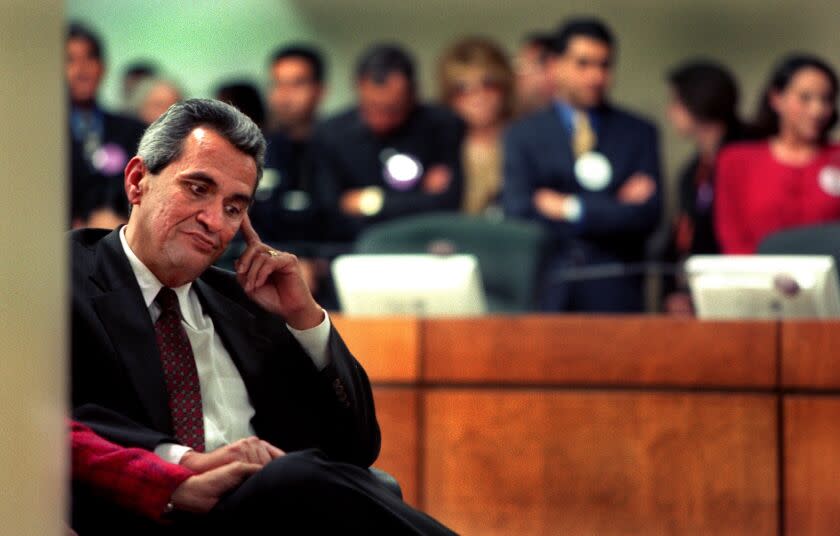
[348, 155]
[117, 380]
[538, 154]
[90, 188]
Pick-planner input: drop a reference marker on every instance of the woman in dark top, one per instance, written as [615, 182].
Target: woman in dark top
[702, 108]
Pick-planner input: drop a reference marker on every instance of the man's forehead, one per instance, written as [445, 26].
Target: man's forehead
[207, 146]
[583, 44]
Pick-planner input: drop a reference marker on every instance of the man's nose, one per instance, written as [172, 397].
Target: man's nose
[211, 216]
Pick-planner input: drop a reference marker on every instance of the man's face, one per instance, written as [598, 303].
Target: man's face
[82, 69]
[583, 72]
[295, 94]
[533, 82]
[384, 107]
[183, 218]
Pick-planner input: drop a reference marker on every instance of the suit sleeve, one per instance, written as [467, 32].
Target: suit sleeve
[356, 436]
[605, 215]
[330, 409]
[328, 185]
[517, 187]
[729, 222]
[132, 478]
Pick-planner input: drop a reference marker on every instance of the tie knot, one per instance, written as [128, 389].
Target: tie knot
[168, 300]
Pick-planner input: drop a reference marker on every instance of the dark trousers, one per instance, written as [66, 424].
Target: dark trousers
[299, 493]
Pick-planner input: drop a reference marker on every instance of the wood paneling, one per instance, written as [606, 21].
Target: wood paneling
[809, 354]
[812, 465]
[388, 348]
[397, 412]
[541, 462]
[601, 350]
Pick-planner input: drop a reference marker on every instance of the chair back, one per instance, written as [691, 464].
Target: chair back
[510, 253]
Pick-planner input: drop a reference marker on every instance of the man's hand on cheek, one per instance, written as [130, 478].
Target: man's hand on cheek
[274, 280]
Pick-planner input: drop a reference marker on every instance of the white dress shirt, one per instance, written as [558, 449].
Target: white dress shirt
[224, 400]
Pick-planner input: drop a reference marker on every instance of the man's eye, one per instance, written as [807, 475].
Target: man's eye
[198, 189]
[233, 211]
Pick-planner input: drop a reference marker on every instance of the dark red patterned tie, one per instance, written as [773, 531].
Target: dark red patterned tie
[179, 372]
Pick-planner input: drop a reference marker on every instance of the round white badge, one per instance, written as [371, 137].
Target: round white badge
[830, 180]
[593, 171]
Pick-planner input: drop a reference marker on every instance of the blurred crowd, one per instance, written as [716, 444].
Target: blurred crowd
[531, 137]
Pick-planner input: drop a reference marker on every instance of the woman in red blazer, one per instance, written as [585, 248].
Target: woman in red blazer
[142, 483]
[792, 177]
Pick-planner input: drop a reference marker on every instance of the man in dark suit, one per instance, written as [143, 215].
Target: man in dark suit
[100, 142]
[205, 367]
[589, 172]
[389, 156]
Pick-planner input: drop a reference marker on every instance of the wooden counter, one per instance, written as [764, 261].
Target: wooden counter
[609, 425]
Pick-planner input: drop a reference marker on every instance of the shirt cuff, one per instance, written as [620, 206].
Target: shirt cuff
[314, 341]
[573, 209]
[171, 452]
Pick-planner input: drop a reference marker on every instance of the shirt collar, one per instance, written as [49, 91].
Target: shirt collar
[150, 285]
[566, 113]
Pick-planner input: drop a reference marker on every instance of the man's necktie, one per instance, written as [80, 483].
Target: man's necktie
[179, 372]
[584, 139]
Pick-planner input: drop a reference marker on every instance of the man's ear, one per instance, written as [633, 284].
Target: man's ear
[135, 171]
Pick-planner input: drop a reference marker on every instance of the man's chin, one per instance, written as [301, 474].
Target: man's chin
[190, 262]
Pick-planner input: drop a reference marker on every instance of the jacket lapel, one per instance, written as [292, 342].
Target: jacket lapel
[558, 145]
[610, 139]
[126, 319]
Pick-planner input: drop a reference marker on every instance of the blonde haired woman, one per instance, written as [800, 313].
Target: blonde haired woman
[476, 82]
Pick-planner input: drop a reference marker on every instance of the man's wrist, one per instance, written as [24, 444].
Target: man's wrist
[308, 318]
[371, 201]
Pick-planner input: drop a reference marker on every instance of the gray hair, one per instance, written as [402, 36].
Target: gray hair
[163, 141]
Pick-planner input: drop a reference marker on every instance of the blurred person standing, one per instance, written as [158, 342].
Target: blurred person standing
[245, 97]
[284, 210]
[389, 156]
[296, 90]
[476, 82]
[133, 74]
[153, 96]
[702, 108]
[792, 176]
[589, 172]
[534, 86]
[101, 143]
